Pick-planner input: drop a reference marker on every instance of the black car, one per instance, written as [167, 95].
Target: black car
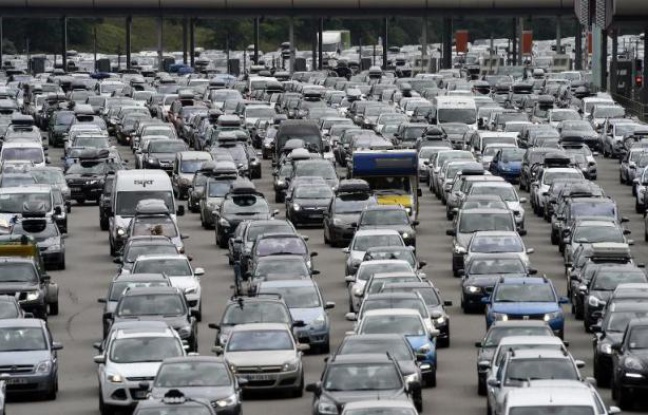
[307, 204]
[243, 202]
[280, 182]
[389, 217]
[397, 347]
[356, 377]
[160, 154]
[48, 238]
[119, 285]
[87, 177]
[609, 331]
[247, 232]
[629, 363]
[23, 278]
[482, 272]
[351, 198]
[497, 331]
[143, 245]
[174, 401]
[272, 244]
[200, 377]
[158, 303]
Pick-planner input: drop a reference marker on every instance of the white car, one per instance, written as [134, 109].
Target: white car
[130, 357]
[507, 192]
[356, 283]
[365, 239]
[544, 182]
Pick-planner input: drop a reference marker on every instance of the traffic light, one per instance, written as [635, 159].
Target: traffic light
[638, 81]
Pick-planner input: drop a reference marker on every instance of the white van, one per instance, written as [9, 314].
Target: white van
[456, 109]
[20, 151]
[129, 188]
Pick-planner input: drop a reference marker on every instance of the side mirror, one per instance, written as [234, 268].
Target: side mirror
[199, 271]
[57, 346]
[494, 383]
[625, 220]
[303, 347]
[118, 260]
[101, 359]
[315, 388]
[350, 278]
[447, 303]
[329, 305]
[184, 237]
[101, 300]
[616, 347]
[533, 271]
[57, 210]
[415, 223]
[523, 200]
[580, 364]
[346, 250]
[96, 346]
[530, 251]
[351, 316]
[217, 350]
[522, 232]
[213, 326]
[313, 254]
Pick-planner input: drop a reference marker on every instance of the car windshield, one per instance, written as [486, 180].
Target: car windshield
[552, 410]
[534, 293]
[192, 374]
[16, 180]
[245, 204]
[8, 309]
[31, 154]
[364, 242]
[595, 234]
[399, 349]
[281, 269]
[367, 269]
[496, 244]
[175, 267]
[496, 266]
[385, 217]
[470, 222]
[608, 279]
[401, 254]
[618, 320]
[318, 168]
[191, 166]
[496, 334]
[393, 324]
[383, 303]
[48, 176]
[522, 370]
[608, 112]
[218, 188]
[119, 288]
[362, 377]
[447, 115]
[255, 231]
[280, 246]
[638, 338]
[170, 305]
[260, 112]
[512, 155]
[18, 272]
[144, 349]
[507, 193]
[100, 168]
[577, 125]
[158, 131]
[260, 340]
[296, 297]
[156, 249]
[594, 209]
[166, 146]
[127, 201]
[154, 225]
[313, 192]
[92, 142]
[256, 312]
[22, 339]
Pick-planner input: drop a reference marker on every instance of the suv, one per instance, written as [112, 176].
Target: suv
[133, 355]
[152, 217]
[389, 217]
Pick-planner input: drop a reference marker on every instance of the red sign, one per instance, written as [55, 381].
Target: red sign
[527, 42]
[461, 41]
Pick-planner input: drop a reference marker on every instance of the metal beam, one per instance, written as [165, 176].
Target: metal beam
[291, 40]
[385, 42]
[514, 43]
[129, 41]
[320, 43]
[578, 47]
[645, 69]
[160, 42]
[192, 42]
[64, 41]
[446, 47]
[1, 42]
[603, 60]
[558, 35]
[185, 45]
[256, 40]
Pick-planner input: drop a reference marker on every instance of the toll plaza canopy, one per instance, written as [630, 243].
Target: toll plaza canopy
[216, 8]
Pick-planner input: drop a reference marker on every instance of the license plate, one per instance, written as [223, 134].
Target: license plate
[16, 381]
[140, 394]
[258, 377]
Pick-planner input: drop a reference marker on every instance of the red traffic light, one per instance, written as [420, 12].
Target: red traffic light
[639, 81]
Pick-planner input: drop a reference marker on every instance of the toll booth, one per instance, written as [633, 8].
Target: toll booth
[300, 65]
[621, 77]
[37, 64]
[103, 65]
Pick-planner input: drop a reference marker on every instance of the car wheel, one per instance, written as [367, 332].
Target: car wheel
[602, 378]
[54, 308]
[103, 408]
[578, 312]
[103, 224]
[326, 239]
[481, 387]
[430, 380]
[418, 402]
[624, 398]
[621, 179]
[50, 395]
[554, 238]
[638, 207]
[80, 201]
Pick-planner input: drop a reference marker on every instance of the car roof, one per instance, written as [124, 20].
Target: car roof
[539, 354]
[288, 283]
[512, 340]
[496, 233]
[22, 322]
[260, 326]
[161, 256]
[524, 280]
[141, 277]
[144, 331]
[369, 232]
[378, 404]
[139, 291]
[392, 312]
[360, 358]
[193, 359]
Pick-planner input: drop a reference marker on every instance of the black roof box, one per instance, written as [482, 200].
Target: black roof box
[353, 186]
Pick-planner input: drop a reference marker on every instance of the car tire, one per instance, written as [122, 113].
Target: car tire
[638, 207]
[481, 387]
[298, 392]
[103, 224]
[54, 309]
[50, 395]
[418, 403]
[103, 408]
[431, 380]
[602, 378]
[578, 312]
[326, 239]
[624, 398]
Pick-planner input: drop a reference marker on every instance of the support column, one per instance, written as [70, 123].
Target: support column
[613, 65]
[94, 43]
[1, 42]
[320, 43]
[185, 30]
[603, 60]
[446, 62]
[644, 92]
[192, 42]
[520, 57]
[291, 40]
[64, 41]
[314, 44]
[578, 47]
[160, 42]
[129, 41]
[558, 35]
[256, 40]
[514, 43]
[385, 40]
[424, 45]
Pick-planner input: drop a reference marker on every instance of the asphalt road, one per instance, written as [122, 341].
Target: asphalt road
[89, 270]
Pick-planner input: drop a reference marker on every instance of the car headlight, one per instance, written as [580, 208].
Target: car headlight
[425, 349]
[413, 378]
[222, 339]
[458, 249]
[191, 290]
[500, 316]
[632, 363]
[212, 206]
[54, 248]
[327, 407]
[408, 210]
[405, 235]
[184, 331]
[309, 264]
[44, 367]
[114, 378]
[338, 222]
[224, 223]
[296, 207]
[473, 289]
[291, 366]
[358, 290]
[440, 321]
[121, 231]
[232, 367]
[551, 316]
[32, 295]
[229, 401]
[593, 301]
[280, 182]
[606, 348]
[319, 322]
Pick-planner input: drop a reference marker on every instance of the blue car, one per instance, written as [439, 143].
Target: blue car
[507, 164]
[304, 300]
[528, 298]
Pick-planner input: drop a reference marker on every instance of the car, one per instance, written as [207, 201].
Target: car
[498, 331]
[152, 217]
[350, 199]
[143, 245]
[628, 363]
[405, 253]
[508, 194]
[180, 272]
[306, 304]
[133, 355]
[495, 243]
[242, 241]
[279, 244]
[545, 179]
[306, 204]
[214, 191]
[200, 377]
[254, 351]
[47, 235]
[532, 298]
[353, 377]
[389, 217]
[483, 271]
[408, 323]
[365, 239]
[590, 232]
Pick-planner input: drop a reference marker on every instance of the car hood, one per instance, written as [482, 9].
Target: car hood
[307, 315]
[347, 218]
[12, 287]
[24, 358]
[512, 165]
[209, 393]
[260, 358]
[463, 239]
[165, 157]
[122, 221]
[525, 308]
[486, 353]
[175, 322]
[483, 280]
[601, 295]
[138, 370]
[182, 282]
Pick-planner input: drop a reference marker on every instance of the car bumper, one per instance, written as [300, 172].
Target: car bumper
[634, 380]
[85, 192]
[23, 384]
[312, 216]
[275, 381]
[124, 395]
[457, 261]
[510, 176]
[340, 234]
[52, 257]
[475, 299]
[313, 337]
